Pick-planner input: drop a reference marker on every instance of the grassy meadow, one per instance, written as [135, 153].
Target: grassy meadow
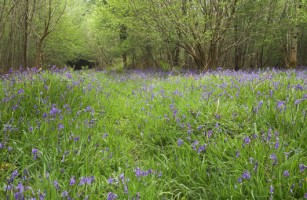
[99, 135]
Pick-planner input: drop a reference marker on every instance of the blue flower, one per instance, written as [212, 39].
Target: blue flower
[111, 196]
[246, 175]
[60, 126]
[286, 173]
[302, 167]
[271, 189]
[34, 153]
[21, 91]
[64, 193]
[180, 142]
[110, 180]
[201, 149]
[247, 140]
[72, 181]
[56, 185]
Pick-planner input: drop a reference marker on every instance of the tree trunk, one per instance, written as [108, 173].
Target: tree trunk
[25, 43]
[294, 39]
[38, 58]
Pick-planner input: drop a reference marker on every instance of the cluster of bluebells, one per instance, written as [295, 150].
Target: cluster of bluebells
[142, 173]
[121, 180]
[245, 176]
[18, 186]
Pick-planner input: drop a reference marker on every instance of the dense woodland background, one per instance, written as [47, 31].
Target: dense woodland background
[158, 34]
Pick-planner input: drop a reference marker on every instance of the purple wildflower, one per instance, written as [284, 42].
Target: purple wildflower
[271, 189]
[125, 189]
[302, 167]
[240, 180]
[122, 177]
[72, 181]
[209, 133]
[20, 187]
[276, 144]
[238, 154]
[274, 158]
[54, 111]
[68, 75]
[64, 193]
[180, 142]
[247, 140]
[111, 196]
[110, 180]
[281, 105]
[298, 101]
[201, 149]
[10, 148]
[194, 144]
[305, 196]
[34, 153]
[56, 185]
[246, 175]
[1, 145]
[8, 188]
[60, 126]
[299, 87]
[14, 175]
[42, 196]
[87, 180]
[286, 173]
[21, 91]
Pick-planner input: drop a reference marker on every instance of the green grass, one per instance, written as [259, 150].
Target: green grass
[127, 127]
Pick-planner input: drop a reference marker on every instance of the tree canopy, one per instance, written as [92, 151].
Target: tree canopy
[159, 34]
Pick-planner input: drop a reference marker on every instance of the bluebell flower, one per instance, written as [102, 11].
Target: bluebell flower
[125, 189]
[54, 111]
[110, 180]
[276, 145]
[111, 196]
[64, 193]
[60, 126]
[14, 175]
[34, 153]
[302, 167]
[201, 149]
[180, 142]
[20, 187]
[286, 173]
[56, 185]
[271, 189]
[72, 181]
[247, 140]
[246, 175]
[281, 105]
[21, 91]
[274, 158]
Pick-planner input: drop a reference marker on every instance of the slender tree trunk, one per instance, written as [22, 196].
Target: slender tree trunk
[294, 38]
[293, 48]
[123, 36]
[39, 51]
[25, 43]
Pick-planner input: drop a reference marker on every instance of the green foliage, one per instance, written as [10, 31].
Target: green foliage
[211, 136]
